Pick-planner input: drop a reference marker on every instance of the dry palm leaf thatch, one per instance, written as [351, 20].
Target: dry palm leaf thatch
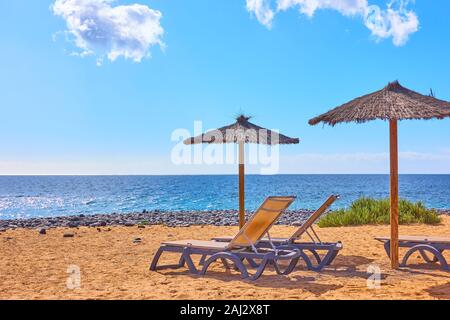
[242, 131]
[393, 102]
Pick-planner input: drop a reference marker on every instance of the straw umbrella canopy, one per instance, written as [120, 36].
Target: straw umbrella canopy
[392, 103]
[242, 132]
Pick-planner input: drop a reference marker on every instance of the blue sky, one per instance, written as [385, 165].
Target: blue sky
[65, 114]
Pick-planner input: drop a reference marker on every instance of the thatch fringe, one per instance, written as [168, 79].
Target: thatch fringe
[242, 131]
[392, 102]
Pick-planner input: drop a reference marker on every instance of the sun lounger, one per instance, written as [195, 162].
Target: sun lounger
[329, 249]
[242, 247]
[424, 245]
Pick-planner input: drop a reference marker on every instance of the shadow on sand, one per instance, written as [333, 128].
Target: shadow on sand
[440, 292]
[422, 268]
[343, 267]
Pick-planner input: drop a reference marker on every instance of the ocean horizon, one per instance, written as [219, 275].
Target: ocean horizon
[23, 197]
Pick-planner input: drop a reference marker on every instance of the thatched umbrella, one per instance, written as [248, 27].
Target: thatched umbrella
[392, 103]
[241, 132]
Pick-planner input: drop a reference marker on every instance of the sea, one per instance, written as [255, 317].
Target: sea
[24, 197]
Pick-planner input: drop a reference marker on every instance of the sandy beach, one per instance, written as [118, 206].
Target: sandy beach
[114, 266]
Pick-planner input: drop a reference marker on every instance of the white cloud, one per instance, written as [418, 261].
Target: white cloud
[101, 29]
[396, 21]
[262, 11]
[398, 24]
[309, 7]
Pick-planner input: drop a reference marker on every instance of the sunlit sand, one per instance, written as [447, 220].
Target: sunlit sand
[114, 264]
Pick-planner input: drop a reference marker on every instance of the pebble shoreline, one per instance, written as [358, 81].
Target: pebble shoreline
[156, 217]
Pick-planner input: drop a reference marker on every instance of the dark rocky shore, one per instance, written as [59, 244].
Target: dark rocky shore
[171, 219]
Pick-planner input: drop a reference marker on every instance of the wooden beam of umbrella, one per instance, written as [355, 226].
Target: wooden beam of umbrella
[392, 103]
[242, 132]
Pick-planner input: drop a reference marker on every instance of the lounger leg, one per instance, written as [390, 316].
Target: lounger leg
[290, 267]
[308, 262]
[228, 266]
[331, 254]
[316, 255]
[202, 259]
[181, 262]
[387, 248]
[186, 256]
[252, 263]
[424, 247]
[293, 259]
[302, 255]
[242, 260]
[425, 256]
[270, 257]
[153, 265]
[292, 264]
[225, 263]
[327, 260]
[226, 256]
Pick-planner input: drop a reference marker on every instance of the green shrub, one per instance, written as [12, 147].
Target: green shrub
[376, 211]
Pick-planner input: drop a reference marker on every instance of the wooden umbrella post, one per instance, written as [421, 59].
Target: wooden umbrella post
[393, 102]
[241, 185]
[394, 192]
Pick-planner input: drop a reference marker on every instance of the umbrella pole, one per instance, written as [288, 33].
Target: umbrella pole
[241, 185]
[394, 192]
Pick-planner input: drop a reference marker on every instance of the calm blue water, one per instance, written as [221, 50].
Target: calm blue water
[30, 196]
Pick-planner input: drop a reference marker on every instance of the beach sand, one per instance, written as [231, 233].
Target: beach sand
[112, 266]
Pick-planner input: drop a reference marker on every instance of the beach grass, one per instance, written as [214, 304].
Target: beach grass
[369, 211]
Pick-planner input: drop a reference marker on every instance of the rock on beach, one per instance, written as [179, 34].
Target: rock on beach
[155, 217]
